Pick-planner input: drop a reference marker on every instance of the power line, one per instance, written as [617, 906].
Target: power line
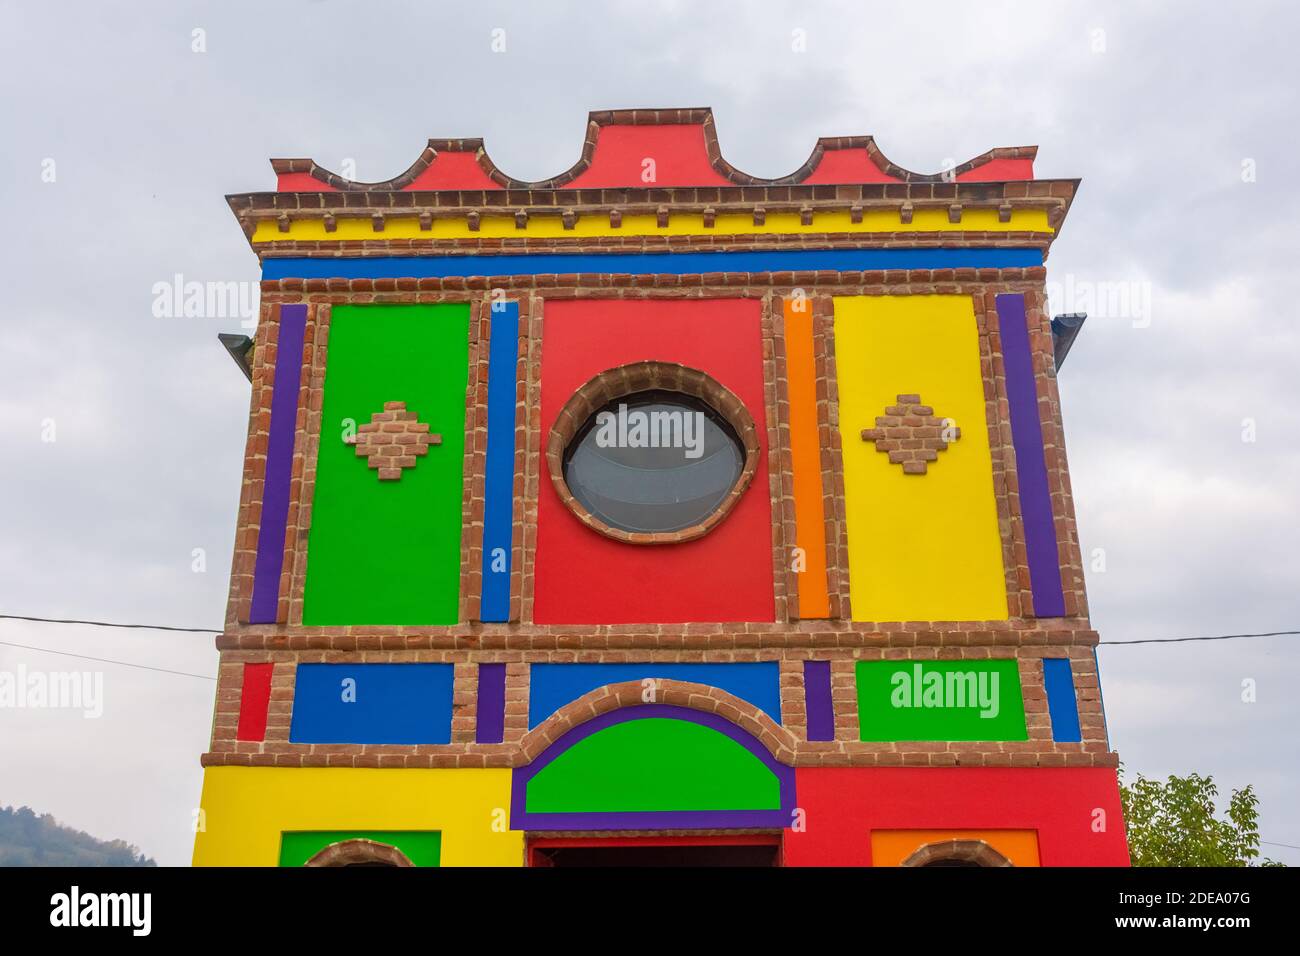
[208, 630]
[1215, 637]
[105, 660]
[142, 627]
[1289, 846]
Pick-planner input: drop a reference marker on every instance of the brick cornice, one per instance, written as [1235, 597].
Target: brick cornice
[1054, 196]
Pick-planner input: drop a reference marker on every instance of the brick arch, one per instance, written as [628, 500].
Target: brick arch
[966, 851]
[353, 852]
[778, 741]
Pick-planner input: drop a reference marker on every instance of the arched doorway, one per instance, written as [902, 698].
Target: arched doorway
[957, 853]
[359, 853]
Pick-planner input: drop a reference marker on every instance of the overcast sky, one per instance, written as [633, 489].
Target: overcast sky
[1180, 119]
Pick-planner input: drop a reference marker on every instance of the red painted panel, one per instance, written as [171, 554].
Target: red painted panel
[848, 166]
[585, 578]
[301, 183]
[843, 806]
[679, 152]
[254, 701]
[454, 171]
[999, 171]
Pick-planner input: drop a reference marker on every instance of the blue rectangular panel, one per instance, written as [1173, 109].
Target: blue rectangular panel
[372, 704]
[499, 476]
[551, 686]
[1058, 680]
[654, 263]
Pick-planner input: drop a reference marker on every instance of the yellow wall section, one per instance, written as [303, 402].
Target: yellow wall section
[921, 547]
[247, 808]
[892, 847]
[679, 224]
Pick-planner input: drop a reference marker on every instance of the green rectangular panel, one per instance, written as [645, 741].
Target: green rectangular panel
[940, 700]
[421, 848]
[389, 552]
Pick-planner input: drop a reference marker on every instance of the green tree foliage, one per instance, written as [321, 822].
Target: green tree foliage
[1174, 824]
[30, 840]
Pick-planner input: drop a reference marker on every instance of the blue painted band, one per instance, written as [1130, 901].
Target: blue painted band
[278, 478]
[551, 686]
[521, 819]
[1031, 465]
[499, 470]
[655, 263]
[372, 704]
[1062, 705]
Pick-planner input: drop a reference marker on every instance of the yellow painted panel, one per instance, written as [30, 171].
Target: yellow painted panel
[892, 847]
[679, 224]
[245, 809]
[921, 547]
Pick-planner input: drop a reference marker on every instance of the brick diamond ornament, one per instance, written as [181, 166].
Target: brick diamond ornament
[393, 440]
[911, 435]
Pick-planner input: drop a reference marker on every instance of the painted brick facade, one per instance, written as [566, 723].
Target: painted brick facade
[788, 638]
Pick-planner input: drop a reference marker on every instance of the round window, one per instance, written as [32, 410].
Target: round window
[654, 462]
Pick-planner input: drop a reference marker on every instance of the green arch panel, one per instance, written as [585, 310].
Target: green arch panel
[652, 764]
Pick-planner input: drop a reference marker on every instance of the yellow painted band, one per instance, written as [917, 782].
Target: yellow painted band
[246, 809]
[679, 224]
[921, 547]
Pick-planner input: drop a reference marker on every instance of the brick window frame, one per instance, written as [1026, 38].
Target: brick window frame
[622, 381]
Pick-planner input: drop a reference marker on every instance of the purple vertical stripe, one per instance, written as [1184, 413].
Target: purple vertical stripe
[491, 715]
[1031, 467]
[279, 464]
[818, 707]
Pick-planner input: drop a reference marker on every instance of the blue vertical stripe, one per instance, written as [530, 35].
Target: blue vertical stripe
[499, 480]
[1058, 680]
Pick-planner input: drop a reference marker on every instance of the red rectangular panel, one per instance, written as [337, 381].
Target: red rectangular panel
[583, 577]
[254, 701]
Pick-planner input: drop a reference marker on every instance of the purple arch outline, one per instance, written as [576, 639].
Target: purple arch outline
[780, 818]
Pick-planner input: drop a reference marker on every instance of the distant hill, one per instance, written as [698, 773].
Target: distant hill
[30, 840]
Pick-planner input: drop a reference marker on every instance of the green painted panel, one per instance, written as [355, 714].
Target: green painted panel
[654, 764]
[388, 552]
[940, 700]
[421, 848]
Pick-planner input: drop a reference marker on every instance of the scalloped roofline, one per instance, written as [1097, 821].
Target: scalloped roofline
[1001, 164]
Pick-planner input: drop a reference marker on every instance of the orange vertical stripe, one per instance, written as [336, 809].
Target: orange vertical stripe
[805, 452]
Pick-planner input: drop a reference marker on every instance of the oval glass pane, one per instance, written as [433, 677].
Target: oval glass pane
[653, 462]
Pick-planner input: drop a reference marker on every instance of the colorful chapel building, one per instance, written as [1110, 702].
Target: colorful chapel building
[658, 513]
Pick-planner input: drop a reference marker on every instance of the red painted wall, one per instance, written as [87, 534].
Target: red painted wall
[680, 154]
[843, 806]
[586, 578]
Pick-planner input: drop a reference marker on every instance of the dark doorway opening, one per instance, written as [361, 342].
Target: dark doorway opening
[756, 850]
